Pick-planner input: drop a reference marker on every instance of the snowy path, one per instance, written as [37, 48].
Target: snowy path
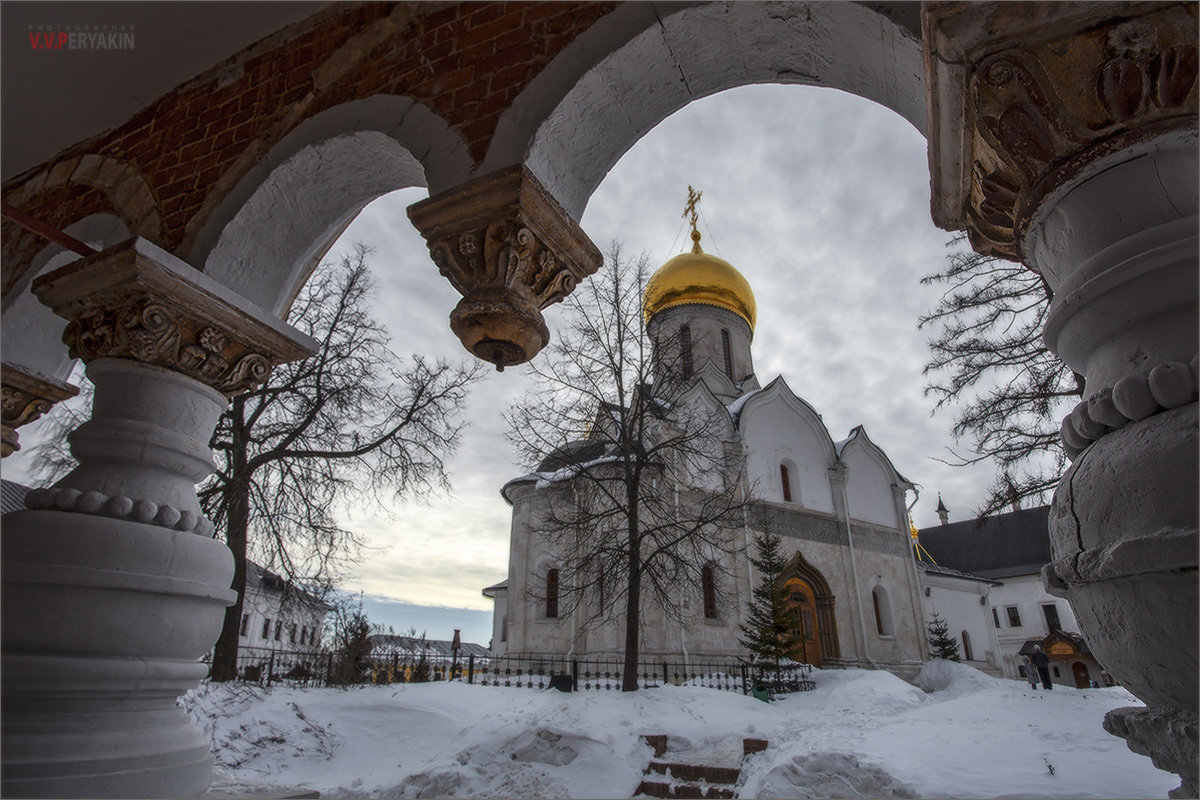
[860, 734]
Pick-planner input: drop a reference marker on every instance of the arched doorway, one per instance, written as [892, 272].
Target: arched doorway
[802, 608]
[808, 597]
[1082, 678]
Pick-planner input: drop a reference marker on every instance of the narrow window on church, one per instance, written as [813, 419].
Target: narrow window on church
[552, 594]
[600, 590]
[292, 633]
[785, 480]
[278, 629]
[883, 611]
[709, 585]
[995, 616]
[266, 634]
[245, 624]
[966, 639]
[728, 354]
[685, 351]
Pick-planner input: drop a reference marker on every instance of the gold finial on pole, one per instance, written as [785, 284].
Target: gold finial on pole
[689, 210]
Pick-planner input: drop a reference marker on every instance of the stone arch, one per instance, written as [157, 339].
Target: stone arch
[263, 237]
[684, 53]
[31, 332]
[798, 568]
[65, 194]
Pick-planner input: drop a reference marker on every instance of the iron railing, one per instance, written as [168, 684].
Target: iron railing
[324, 668]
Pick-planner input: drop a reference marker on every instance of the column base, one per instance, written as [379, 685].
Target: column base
[103, 624]
[1168, 738]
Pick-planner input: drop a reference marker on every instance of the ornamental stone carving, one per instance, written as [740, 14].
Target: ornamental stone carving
[137, 302]
[1024, 96]
[25, 398]
[510, 250]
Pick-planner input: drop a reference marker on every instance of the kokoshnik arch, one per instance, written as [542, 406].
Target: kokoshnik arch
[1063, 135]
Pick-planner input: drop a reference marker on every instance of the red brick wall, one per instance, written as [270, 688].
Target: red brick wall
[467, 62]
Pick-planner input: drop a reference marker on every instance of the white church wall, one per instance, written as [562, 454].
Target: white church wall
[868, 486]
[900, 644]
[775, 431]
[957, 601]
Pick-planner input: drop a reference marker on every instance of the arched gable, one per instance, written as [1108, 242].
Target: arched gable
[776, 425]
[870, 477]
[264, 237]
[704, 416]
[708, 407]
[642, 67]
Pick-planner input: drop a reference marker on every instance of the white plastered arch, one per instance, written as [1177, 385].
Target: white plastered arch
[870, 478]
[262, 240]
[687, 52]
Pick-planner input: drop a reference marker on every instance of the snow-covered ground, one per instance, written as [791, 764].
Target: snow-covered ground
[859, 734]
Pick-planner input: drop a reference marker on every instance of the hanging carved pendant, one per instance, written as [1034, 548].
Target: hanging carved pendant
[510, 250]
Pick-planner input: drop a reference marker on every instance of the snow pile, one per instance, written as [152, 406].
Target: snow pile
[955, 679]
[858, 734]
[830, 775]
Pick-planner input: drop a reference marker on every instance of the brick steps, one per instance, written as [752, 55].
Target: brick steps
[691, 781]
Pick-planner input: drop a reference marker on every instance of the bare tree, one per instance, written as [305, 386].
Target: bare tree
[988, 360]
[641, 498]
[349, 423]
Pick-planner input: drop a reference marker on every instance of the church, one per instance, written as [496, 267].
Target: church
[839, 506]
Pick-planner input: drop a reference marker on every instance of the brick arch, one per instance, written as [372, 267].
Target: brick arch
[69, 191]
[263, 236]
[688, 52]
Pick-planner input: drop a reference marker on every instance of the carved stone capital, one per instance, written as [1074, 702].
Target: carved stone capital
[1025, 97]
[510, 250]
[25, 397]
[137, 302]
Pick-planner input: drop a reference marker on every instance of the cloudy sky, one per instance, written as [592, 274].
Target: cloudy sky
[820, 198]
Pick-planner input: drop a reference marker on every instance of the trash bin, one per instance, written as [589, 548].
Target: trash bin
[561, 682]
[761, 693]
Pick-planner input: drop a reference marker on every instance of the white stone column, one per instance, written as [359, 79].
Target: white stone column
[113, 587]
[1120, 250]
[1064, 135]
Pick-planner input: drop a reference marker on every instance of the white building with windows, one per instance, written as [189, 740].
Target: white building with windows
[840, 507]
[1003, 559]
[278, 615]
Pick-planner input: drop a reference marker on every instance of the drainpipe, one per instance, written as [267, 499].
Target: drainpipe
[918, 606]
[862, 624]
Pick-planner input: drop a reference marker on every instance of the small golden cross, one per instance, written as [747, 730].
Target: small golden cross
[690, 210]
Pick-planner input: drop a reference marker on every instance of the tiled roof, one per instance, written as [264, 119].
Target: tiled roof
[1005, 545]
[938, 569]
[434, 647]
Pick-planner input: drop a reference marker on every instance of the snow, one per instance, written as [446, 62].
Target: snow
[858, 734]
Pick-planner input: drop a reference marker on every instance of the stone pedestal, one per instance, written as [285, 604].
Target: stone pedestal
[113, 587]
[1064, 135]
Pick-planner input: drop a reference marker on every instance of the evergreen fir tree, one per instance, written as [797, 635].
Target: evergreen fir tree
[768, 631]
[941, 642]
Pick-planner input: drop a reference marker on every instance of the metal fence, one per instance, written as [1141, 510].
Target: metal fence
[323, 668]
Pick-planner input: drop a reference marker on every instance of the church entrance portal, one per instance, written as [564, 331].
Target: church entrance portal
[803, 607]
[808, 595]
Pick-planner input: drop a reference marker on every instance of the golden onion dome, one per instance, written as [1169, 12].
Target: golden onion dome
[697, 278]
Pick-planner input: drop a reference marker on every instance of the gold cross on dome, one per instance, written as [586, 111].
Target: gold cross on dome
[691, 211]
